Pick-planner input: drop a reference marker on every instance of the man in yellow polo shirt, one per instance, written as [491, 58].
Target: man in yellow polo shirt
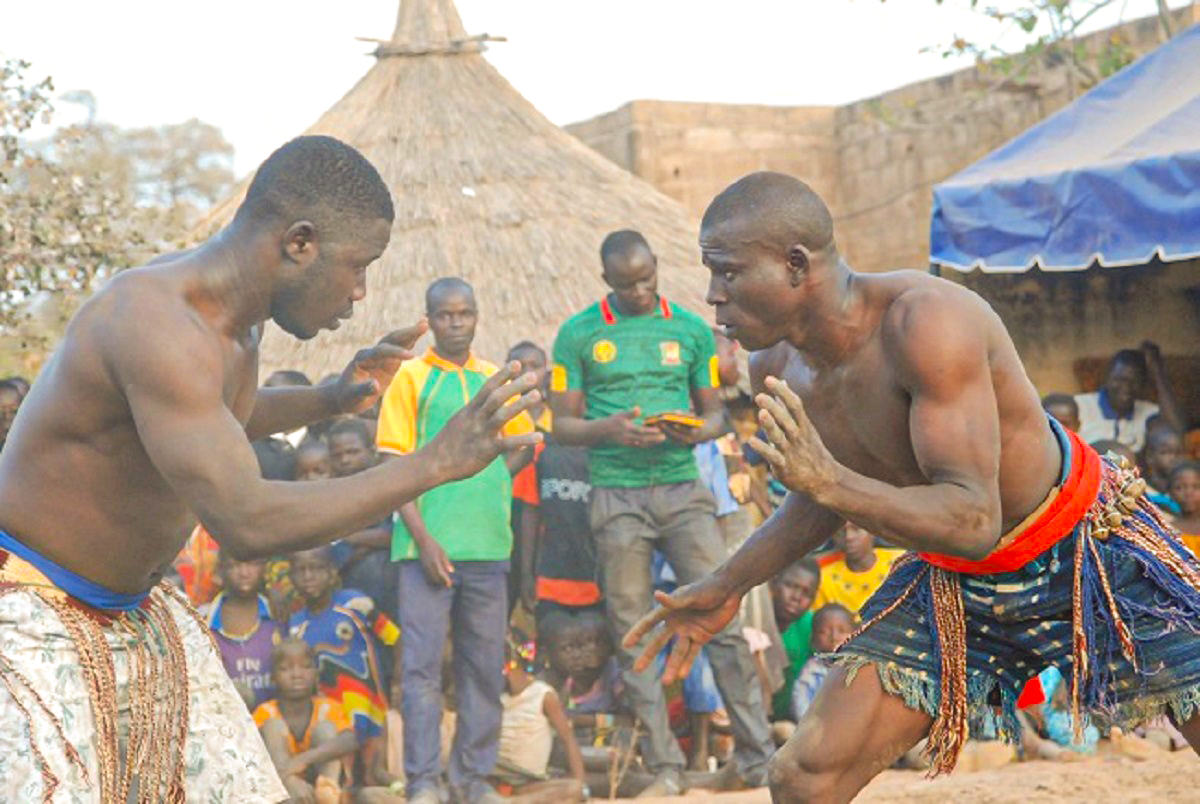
[453, 544]
[629, 356]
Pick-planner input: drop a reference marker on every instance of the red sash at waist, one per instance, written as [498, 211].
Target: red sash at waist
[1057, 518]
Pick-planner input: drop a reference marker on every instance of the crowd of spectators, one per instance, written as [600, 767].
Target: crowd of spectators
[469, 646]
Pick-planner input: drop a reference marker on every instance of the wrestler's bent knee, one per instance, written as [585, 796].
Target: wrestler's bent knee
[793, 778]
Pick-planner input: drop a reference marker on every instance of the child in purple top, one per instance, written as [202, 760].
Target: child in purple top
[240, 619]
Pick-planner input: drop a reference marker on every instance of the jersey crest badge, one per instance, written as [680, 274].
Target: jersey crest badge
[670, 353]
[604, 351]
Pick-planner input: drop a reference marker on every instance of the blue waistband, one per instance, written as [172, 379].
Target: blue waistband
[93, 594]
[1064, 444]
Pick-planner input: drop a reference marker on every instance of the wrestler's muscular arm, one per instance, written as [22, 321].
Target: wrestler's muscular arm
[174, 388]
[937, 344]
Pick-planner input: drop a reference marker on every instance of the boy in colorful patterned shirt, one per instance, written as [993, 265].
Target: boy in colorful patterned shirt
[344, 628]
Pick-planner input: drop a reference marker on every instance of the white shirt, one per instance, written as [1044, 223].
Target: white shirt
[1094, 425]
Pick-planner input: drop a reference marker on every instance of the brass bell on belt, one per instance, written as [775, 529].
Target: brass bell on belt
[1114, 519]
[1135, 487]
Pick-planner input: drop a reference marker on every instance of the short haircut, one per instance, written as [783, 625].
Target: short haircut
[276, 458]
[526, 346]
[1186, 466]
[291, 643]
[312, 445]
[1065, 400]
[446, 284]
[621, 243]
[355, 426]
[807, 563]
[1129, 357]
[1157, 434]
[777, 210]
[830, 610]
[323, 552]
[594, 621]
[553, 624]
[289, 378]
[225, 558]
[12, 385]
[322, 180]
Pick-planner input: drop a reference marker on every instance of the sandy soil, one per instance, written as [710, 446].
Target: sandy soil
[1173, 777]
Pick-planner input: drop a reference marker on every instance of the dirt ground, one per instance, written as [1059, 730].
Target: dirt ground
[1168, 777]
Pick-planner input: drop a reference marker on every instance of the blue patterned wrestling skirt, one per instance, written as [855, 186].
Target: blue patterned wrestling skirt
[1114, 605]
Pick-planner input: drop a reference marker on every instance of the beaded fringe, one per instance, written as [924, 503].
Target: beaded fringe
[1124, 514]
[151, 768]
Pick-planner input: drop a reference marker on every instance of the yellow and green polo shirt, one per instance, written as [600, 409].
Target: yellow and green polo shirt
[469, 518]
[651, 361]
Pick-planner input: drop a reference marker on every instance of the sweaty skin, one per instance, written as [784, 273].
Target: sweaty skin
[141, 421]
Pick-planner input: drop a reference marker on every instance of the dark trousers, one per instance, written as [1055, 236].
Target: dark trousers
[473, 612]
[679, 520]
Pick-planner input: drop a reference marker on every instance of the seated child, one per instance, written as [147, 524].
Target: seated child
[1162, 453]
[581, 663]
[1185, 491]
[792, 593]
[241, 624]
[533, 715]
[311, 462]
[363, 558]
[345, 629]
[307, 735]
[832, 623]
[852, 574]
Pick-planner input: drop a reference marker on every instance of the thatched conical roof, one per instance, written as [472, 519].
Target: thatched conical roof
[485, 188]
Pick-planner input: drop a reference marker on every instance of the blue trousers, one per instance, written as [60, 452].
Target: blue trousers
[474, 613]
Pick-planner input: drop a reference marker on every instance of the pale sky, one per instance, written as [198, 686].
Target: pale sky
[264, 70]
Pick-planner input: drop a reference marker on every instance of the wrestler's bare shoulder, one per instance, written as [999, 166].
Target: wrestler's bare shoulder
[926, 318]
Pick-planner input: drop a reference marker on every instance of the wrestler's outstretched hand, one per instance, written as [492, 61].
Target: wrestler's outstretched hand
[368, 374]
[473, 437]
[798, 457]
[693, 614]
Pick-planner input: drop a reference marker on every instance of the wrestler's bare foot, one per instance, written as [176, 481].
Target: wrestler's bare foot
[1132, 746]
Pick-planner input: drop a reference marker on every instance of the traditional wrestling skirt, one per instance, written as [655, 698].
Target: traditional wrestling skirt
[1095, 583]
[116, 706]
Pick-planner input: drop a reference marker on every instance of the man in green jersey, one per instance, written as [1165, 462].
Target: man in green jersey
[630, 356]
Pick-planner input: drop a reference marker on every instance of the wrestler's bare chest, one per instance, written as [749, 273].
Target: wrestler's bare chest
[78, 485]
[861, 412]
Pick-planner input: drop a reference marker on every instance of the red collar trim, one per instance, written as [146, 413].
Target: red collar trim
[607, 312]
[610, 318]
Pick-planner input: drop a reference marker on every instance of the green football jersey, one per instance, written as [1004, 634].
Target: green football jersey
[651, 362]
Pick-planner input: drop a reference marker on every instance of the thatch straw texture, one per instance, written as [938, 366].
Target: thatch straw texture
[485, 188]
